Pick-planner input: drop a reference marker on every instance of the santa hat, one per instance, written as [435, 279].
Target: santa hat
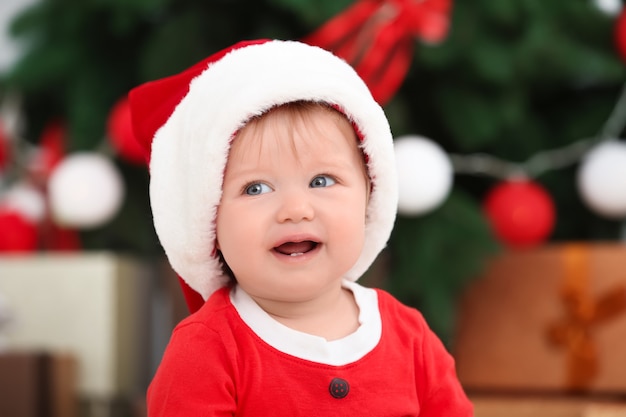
[186, 123]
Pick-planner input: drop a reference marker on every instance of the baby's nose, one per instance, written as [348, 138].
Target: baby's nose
[295, 206]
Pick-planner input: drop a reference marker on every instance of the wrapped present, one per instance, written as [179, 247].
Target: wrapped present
[93, 304]
[529, 406]
[37, 384]
[549, 319]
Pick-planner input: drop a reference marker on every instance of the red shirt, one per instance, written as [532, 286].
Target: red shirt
[216, 365]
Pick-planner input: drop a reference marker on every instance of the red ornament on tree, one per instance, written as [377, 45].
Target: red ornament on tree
[56, 238]
[18, 234]
[120, 133]
[50, 151]
[521, 213]
[620, 34]
[4, 149]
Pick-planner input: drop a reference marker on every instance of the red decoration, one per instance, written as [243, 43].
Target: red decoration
[18, 234]
[377, 38]
[4, 149]
[56, 238]
[120, 133]
[51, 152]
[620, 34]
[521, 213]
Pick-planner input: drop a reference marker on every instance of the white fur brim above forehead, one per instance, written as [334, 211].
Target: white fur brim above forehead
[190, 150]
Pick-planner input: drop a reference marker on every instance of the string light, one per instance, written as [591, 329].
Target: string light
[489, 165]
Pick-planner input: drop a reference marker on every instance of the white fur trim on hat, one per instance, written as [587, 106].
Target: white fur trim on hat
[190, 150]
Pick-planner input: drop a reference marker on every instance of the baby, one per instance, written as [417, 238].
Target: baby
[273, 189]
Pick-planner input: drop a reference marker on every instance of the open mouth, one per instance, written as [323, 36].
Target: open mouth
[296, 248]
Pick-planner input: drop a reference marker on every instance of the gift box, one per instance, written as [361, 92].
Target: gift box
[512, 406]
[94, 305]
[37, 384]
[548, 320]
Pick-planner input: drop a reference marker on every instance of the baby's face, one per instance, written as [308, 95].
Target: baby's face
[291, 221]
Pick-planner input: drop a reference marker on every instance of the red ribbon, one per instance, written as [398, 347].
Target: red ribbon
[377, 38]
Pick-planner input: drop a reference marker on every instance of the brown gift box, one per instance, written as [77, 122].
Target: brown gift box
[37, 384]
[546, 407]
[548, 320]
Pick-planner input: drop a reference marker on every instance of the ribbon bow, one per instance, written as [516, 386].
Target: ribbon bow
[574, 332]
[376, 38]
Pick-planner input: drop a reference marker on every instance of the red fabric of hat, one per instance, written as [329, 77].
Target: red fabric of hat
[152, 103]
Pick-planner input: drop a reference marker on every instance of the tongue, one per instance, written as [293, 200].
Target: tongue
[295, 247]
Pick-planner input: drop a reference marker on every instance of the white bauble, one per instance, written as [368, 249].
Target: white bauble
[424, 174]
[85, 191]
[609, 7]
[602, 179]
[27, 200]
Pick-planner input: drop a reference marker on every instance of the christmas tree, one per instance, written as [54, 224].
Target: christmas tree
[512, 79]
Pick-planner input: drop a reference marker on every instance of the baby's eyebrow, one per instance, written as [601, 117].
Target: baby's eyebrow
[345, 165]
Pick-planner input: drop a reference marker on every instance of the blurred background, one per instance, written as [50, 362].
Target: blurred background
[508, 119]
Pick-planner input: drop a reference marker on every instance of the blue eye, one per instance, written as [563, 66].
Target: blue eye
[322, 181]
[257, 188]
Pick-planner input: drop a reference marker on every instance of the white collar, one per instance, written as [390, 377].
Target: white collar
[315, 348]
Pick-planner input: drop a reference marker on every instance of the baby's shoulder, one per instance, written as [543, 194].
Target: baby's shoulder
[392, 308]
[214, 314]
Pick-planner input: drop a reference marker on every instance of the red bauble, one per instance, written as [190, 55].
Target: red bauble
[120, 133]
[4, 149]
[53, 237]
[18, 234]
[521, 213]
[51, 149]
[620, 34]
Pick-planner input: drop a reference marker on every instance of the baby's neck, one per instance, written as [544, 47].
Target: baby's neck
[333, 317]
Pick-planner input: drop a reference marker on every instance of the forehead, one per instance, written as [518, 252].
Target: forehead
[307, 125]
